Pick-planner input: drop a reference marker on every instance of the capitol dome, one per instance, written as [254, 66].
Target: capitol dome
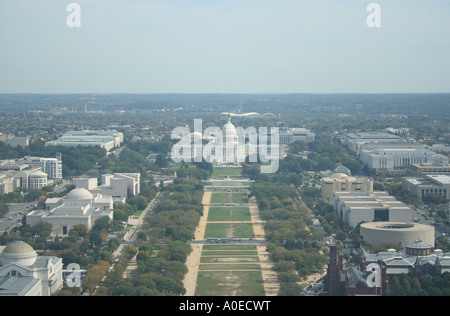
[230, 134]
[18, 252]
[79, 194]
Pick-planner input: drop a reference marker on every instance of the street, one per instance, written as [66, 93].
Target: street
[14, 216]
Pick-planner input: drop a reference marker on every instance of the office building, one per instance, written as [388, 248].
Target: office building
[117, 185]
[291, 135]
[356, 141]
[51, 166]
[399, 159]
[355, 208]
[32, 178]
[418, 170]
[18, 141]
[340, 182]
[8, 184]
[433, 184]
[105, 139]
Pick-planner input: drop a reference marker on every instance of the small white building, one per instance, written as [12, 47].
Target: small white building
[51, 166]
[117, 185]
[33, 178]
[24, 273]
[7, 184]
[79, 207]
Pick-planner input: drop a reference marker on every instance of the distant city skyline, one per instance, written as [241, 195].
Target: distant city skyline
[224, 46]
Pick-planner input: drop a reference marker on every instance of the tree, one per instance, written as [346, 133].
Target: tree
[78, 231]
[4, 209]
[161, 161]
[140, 202]
[94, 275]
[120, 215]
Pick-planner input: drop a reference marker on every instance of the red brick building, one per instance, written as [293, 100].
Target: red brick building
[352, 279]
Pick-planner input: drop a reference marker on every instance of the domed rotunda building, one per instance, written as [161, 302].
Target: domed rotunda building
[24, 273]
[78, 207]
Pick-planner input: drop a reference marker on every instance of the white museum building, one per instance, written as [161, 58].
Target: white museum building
[78, 207]
[24, 273]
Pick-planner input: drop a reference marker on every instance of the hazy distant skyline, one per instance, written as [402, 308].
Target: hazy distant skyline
[224, 46]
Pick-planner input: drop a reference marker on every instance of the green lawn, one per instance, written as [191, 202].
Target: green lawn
[225, 198]
[229, 283]
[229, 266]
[228, 247]
[229, 230]
[227, 172]
[229, 252]
[226, 188]
[222, 213]
[229, 259]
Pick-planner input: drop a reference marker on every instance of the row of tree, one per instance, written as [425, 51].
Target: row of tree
[293, 243]
[408, 285]
[162, 255]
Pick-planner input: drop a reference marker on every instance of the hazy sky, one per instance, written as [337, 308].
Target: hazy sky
[224, 46]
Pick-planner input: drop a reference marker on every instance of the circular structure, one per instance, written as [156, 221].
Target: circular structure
[38, 174]
[79, 194]
[343, 169]
[38, 180]
[18, 252]
[378, 233]
[418, 248]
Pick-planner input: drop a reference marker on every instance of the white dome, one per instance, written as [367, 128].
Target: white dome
[229, 132]
[18, 252]
[79, 194]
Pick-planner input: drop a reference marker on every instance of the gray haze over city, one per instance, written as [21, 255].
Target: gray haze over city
[232, 46]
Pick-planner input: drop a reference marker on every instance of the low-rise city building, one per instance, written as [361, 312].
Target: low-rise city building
[434, 184]
[105, 139]
[418, 170]
[355, 208]
[117, 185]
[8, 184]
[340, 182]
[398, 159]
[290, 135]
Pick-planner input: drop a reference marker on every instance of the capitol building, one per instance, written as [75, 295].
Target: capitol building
[235, 149]
[24, 273]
